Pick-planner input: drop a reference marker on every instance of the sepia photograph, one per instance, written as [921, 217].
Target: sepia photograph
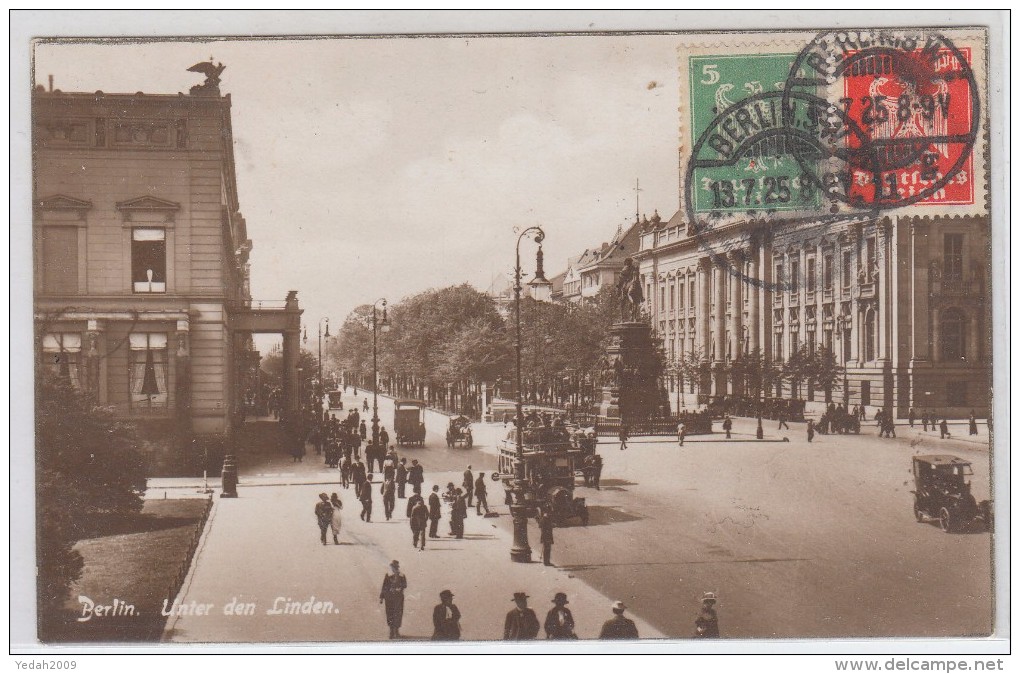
[682, 337]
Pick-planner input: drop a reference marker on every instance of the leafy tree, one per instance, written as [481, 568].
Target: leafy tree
[824, 370]
[87, 468]
[797, 369]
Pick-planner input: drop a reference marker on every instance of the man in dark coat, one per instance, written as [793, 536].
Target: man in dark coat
[415, 476]
[727, 425]
[619, 627]
[944, 429]
[559, 622]
[415, 498]
[446, 619]
[706, 625]
[972, 420]
[521, 622]
[389, 498]
[435, 512]
[401, 477]
[358, 474]
[323, 515]
[480, 493]
[597, 474]
[468, 485]
[363, 431]
[392, 594]
[365, 496]
[419, 520]
[545, 524]
[384, 440]
[458, 513]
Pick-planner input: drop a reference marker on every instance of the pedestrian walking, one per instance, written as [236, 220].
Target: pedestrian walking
[727, 425]
[363, 429]
[706, 625]
[973, 424]
[364, 405]
[782, 422]
[419, 521]
[389, 498]
[435, 512]
[392, 594]
[415, 476]
[619, 627]
[334, 522]
[469, 485]
[559, 622]
[345, 472]
[623, 436]
[545, 525]
[365, 496]
[862, 413]
[323, 515]
[597, 475]
[297, 451]
[358, 475]
[924, 420]
[446, 619]
[681, 433]
[944, 429]
[521, 623]
[810, 430]
[389, 470]
[458, 513]
[415, 498]
[481, 493]
[401, 477]
[910, 417]
[384, 439]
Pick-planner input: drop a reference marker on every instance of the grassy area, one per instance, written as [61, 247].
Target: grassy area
[139, 560]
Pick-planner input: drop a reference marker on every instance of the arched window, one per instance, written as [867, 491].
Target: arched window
[953, 329]
[870, 335]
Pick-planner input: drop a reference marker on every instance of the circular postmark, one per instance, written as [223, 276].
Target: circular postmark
[902, 114]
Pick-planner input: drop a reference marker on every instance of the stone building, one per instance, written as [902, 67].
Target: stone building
[141, 255]
[902, 302]
[595, 268]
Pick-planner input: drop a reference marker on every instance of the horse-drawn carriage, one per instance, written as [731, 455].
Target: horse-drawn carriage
[409, 422]
[459, 433]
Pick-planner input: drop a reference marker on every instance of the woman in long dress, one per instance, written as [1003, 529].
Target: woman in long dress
[334, 522]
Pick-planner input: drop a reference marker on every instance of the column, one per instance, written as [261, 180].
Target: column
[291, 346]
[883, 307]
[91, 362]
[973, 347]
[919, 271]
[704, 307]
[737, 305]
[720, 327]
[754, 305]
[182, 370]
[936, 336]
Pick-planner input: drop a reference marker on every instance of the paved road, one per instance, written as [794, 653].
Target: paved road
[798, 539]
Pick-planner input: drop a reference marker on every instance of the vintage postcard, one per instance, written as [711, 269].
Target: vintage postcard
[685, 338]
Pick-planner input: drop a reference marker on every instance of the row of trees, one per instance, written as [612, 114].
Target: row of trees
[443, 344]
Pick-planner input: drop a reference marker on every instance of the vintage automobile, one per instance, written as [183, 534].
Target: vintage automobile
[409, 422]
[459, 433]
[336, 400]
[942, 492]
[551, 462]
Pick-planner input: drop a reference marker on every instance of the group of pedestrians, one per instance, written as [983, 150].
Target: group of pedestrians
[521, 622]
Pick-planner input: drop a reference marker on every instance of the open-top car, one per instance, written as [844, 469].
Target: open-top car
[336, 400]
[942, 492]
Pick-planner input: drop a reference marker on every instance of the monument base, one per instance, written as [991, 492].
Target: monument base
[632, 372]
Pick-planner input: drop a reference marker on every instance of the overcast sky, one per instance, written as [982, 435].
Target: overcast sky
[374, 168]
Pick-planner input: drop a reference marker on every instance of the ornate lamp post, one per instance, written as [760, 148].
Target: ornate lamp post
[520, 510]
[376, 326]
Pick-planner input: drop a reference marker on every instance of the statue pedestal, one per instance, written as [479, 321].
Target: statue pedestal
[633, 374]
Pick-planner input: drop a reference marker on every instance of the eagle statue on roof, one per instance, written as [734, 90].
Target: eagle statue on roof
[211, 86]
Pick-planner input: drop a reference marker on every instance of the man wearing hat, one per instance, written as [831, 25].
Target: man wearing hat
[521, 622]
[323, 515]
[706, 625]
[446, 619]
[619, 627]
[559, 622]
[545, 525]
[469, 486]
[435, 511]
[392, 593]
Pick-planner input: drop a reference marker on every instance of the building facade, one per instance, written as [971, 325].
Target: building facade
[903, 303]
[141, 254]
[596, 268]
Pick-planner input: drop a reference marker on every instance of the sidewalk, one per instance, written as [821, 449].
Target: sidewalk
[263, 549]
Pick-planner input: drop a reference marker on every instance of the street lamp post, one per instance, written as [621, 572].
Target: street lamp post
[322, 388]
[376, 325]
[520, 511]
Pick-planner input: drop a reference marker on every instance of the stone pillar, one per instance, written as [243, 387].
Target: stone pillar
[973, 350]
[91, 362]
[754, 304]
[883, 307]
[291, 349]
[719, 362]
[737, 305]
[936, 336]
[182, 371]
[919, 291]
[704, 307]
